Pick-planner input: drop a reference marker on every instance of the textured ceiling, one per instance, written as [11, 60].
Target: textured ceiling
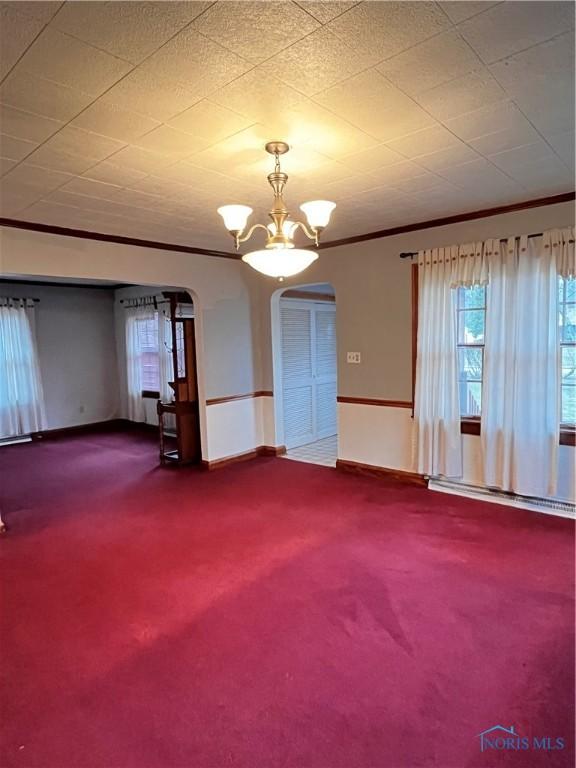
[141, 118]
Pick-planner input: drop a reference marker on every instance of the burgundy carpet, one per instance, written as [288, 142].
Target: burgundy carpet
[272, 615]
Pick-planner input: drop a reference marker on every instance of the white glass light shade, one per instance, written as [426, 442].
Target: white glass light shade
[235, 216]
[280, 262]
[287, 228]
[318, 212]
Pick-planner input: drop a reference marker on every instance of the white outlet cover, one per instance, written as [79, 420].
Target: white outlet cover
[353, 357]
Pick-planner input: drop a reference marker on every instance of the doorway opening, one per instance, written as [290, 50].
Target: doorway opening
[305, 373]
[101, 356]
[161, 370]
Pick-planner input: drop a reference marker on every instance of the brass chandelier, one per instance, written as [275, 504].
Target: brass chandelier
[279, 258]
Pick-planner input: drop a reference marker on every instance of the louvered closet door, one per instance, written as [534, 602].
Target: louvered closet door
[325, 370]
[297, 373]
[308, 334]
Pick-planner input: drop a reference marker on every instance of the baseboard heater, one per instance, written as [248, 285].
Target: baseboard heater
[534, 503]
[15, 439]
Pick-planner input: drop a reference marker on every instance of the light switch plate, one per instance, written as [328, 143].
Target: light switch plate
[353, 357]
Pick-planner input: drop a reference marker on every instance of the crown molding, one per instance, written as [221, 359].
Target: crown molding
[456, 219]
[56, 284]
[119, 239]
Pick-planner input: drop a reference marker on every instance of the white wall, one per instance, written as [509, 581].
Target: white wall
[235, 426]
[76, 350]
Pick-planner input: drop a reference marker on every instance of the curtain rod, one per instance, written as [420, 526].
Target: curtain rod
[154, 303]
[19, 298]
[154, 300]
[411, 254]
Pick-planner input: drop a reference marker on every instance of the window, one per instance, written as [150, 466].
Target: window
[567, 327]
[470, 329]
[149, 357]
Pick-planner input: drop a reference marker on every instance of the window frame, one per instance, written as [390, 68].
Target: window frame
[565, 344]
[460, 310]
[567, 429]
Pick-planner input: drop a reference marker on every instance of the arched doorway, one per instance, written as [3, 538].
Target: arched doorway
[161, 365]
[81, 327]
[305, 372]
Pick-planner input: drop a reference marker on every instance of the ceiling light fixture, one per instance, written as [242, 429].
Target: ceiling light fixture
[279, 258]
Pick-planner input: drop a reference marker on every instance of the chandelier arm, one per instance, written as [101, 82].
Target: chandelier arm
[311, 234]
[248, 235]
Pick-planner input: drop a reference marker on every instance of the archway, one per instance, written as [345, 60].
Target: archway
[60, 319]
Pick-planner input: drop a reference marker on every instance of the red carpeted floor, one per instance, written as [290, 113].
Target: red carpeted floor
[271, 615]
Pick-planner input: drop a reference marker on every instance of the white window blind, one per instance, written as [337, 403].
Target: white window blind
[149, 357]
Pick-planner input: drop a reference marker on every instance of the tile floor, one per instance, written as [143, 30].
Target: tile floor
[322, 452]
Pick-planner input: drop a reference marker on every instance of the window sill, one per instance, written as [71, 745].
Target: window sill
[150, 393]
[471, 426]
[568, 435]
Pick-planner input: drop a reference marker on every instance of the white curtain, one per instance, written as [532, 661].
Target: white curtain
[521, 404]
[142, 310]
[21, 395]
[561, 244]
[436, 408]
[520, 419]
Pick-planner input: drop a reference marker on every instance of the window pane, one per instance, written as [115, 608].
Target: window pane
[148, 334]
[150, 371]
[473, 297]
[180, 360]
[570, 288]
[569, 365]
[568, 404]
[470, 393]
[568, 322]
[471, 322]
[470, 363]
[148, 342]
[471, 326]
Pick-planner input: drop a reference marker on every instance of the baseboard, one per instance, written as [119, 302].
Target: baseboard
[112, 425]
[261, 450]
[356, 467]
[142, 425]
[227, 460]
[271, 450]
